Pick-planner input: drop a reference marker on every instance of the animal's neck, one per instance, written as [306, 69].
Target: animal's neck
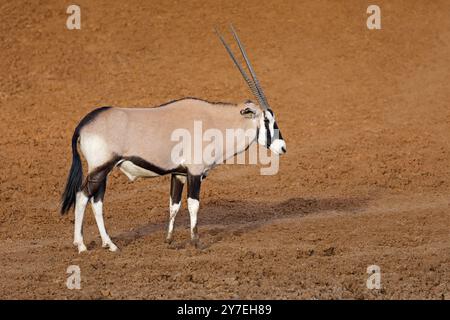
[246, 133]
[252, 127]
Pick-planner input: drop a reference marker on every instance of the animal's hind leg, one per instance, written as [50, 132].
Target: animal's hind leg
[80, 206]
[97, 207]
[95, 186]
[176, 189]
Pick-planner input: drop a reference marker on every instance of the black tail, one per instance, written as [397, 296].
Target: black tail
[75, 178]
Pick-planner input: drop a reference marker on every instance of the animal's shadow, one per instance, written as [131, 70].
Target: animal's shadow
[223, 218]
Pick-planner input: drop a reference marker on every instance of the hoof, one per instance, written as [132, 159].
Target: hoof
[168, 240]
[195, 242]
[111, 246]
[81, 248]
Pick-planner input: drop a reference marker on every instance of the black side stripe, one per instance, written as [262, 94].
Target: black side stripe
[154, 168]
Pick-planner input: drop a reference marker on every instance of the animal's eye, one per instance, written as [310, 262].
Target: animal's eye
[247, 111]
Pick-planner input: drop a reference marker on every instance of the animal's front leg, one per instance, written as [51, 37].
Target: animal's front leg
[194, 182]
[176, 189]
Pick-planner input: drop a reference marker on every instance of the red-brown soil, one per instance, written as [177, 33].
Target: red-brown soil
[366, 179]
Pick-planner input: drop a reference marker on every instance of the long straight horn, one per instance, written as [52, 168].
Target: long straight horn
[250, 83]
[249, 66]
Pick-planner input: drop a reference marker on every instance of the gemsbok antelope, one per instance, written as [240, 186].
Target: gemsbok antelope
[138, 141]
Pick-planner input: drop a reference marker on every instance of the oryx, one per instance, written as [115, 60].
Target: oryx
[138, 141]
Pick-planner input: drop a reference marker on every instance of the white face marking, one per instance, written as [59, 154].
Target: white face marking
[277, 146]
[262, 132]
[271, 119]
[262, 138]
[133, 171]
[97, 207]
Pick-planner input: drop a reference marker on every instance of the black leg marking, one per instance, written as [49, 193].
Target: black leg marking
[100, 194]
[176, 189]
[194, 184]
[95, 183]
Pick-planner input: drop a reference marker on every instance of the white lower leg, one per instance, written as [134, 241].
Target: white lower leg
[193, 206]
[80, 206]
[97, 207]
[173, 209]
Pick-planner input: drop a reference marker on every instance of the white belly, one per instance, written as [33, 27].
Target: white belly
[133, 171]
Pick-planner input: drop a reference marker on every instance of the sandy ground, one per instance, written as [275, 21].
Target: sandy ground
[366, 179]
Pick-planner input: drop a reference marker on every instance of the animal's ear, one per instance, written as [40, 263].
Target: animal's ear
[248, 112]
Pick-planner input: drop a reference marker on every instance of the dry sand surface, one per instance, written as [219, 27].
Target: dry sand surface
[366, 179]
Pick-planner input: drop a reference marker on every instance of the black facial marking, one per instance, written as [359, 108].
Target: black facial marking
[277, 132]
[176, 189]
[268, 136]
